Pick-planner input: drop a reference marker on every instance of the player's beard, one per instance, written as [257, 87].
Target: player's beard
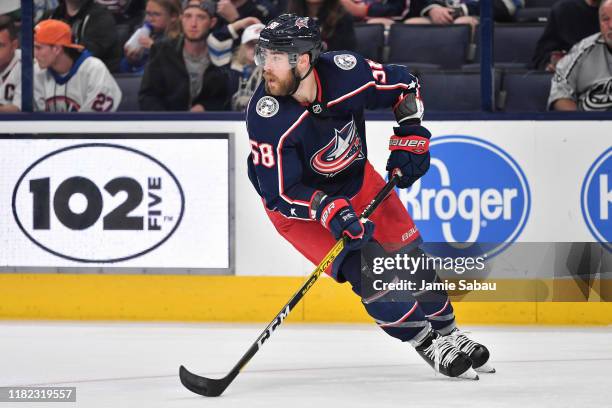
[280, 86]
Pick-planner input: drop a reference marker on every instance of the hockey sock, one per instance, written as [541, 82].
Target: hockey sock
[398, 314]
[414, 268]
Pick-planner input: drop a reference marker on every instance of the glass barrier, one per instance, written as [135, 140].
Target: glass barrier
[487, 56]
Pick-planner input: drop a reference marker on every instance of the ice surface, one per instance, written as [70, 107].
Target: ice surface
[136, 365]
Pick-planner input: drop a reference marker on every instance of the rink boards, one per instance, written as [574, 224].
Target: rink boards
[240, 299]
[537, 182]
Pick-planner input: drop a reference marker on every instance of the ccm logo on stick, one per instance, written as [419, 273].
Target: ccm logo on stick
[277, 322]
[98, 203]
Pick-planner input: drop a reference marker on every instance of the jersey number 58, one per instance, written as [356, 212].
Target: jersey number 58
[263, 153]
[378, 72]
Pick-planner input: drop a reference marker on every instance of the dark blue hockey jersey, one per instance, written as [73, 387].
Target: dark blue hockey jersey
[297, 151]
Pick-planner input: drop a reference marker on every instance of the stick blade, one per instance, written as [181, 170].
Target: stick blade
[207, 387]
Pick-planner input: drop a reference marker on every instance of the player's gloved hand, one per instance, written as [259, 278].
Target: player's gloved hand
[409, 154]
[337, 215]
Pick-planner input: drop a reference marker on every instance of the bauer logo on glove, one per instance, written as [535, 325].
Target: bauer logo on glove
[414, 144]
[409, 148]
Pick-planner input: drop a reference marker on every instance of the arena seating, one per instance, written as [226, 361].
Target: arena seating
[532, 15]
[129, 85]
[450, 90]
[446, 46]
[514, 44]
[525, 91]
[370, 40]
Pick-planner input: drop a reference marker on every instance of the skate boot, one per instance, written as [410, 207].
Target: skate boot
[440, 353]
[478, 353]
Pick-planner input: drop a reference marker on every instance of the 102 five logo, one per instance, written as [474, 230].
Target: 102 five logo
[98, 203]
[473, 192]
[596, 199]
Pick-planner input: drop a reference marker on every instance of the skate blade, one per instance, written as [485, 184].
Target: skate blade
[485, 368]
[470, 374]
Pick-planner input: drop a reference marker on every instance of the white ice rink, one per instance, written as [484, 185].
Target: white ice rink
[136, 366]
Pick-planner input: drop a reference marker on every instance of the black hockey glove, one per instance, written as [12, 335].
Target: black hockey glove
[337, 215]
[409, 153]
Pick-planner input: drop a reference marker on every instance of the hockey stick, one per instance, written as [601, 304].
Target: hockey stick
[211, 387]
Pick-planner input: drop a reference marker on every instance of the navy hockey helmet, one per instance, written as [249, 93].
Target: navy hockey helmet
[291, 34]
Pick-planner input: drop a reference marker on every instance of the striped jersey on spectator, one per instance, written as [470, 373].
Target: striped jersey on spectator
[225, 38]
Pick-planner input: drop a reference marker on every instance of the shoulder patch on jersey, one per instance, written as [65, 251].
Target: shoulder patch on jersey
[345, 61]
[267, 107]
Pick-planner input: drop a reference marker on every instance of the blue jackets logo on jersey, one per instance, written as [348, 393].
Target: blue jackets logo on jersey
[596, 199]
[599, 96]
[339, 153]
[474, 192]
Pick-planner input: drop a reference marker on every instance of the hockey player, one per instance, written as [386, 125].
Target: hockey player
[68, 78]
[309, 164]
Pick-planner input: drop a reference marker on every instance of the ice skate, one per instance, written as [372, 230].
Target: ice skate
[478, 353]
[441, 354]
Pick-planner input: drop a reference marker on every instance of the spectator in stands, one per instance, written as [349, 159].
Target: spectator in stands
[180, 75]
[93, 27]
[244, 74]
[128, 14]
[222, 41]
[67, 78]
[583, 78]
[463, 11]
[42, 8]
[234, 16]
[376, 11]
[233, 10]
[10, 66]
[569, 21]
[162, 21]
[337, 31]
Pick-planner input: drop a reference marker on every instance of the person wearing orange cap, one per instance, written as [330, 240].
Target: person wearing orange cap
[67, 77]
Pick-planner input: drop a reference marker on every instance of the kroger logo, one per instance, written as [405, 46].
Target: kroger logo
[474, 192]
[597, 198]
